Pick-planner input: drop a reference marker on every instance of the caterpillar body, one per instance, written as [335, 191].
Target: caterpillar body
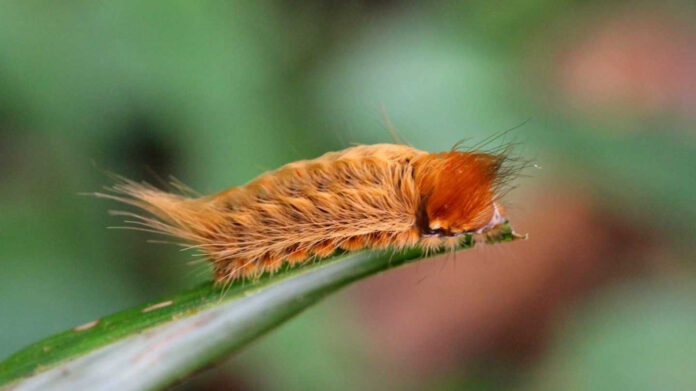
[367, 196]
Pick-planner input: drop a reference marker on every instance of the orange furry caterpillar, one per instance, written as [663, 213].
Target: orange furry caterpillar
[368, 196]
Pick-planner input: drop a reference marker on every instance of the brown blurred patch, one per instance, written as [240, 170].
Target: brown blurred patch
[498, 303]
[636, 60]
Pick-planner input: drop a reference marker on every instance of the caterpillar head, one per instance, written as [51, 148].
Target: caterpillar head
[459, 192]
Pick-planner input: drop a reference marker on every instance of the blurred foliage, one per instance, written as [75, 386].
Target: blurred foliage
[217, 92]
[620, 343]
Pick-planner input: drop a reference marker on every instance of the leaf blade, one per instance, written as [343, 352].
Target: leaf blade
[192, 329]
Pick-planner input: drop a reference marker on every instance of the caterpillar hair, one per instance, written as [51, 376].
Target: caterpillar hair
[367, 196]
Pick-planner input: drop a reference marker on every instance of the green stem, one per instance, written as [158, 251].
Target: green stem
[153, 345]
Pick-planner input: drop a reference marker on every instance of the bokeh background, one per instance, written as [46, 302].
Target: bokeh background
[601, 296]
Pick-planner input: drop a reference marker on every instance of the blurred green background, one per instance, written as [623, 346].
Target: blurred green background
[601, 296]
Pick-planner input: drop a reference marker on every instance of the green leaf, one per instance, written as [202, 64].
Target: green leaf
[126, 351]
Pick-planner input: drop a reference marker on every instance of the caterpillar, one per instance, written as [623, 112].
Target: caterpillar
[366, 196]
